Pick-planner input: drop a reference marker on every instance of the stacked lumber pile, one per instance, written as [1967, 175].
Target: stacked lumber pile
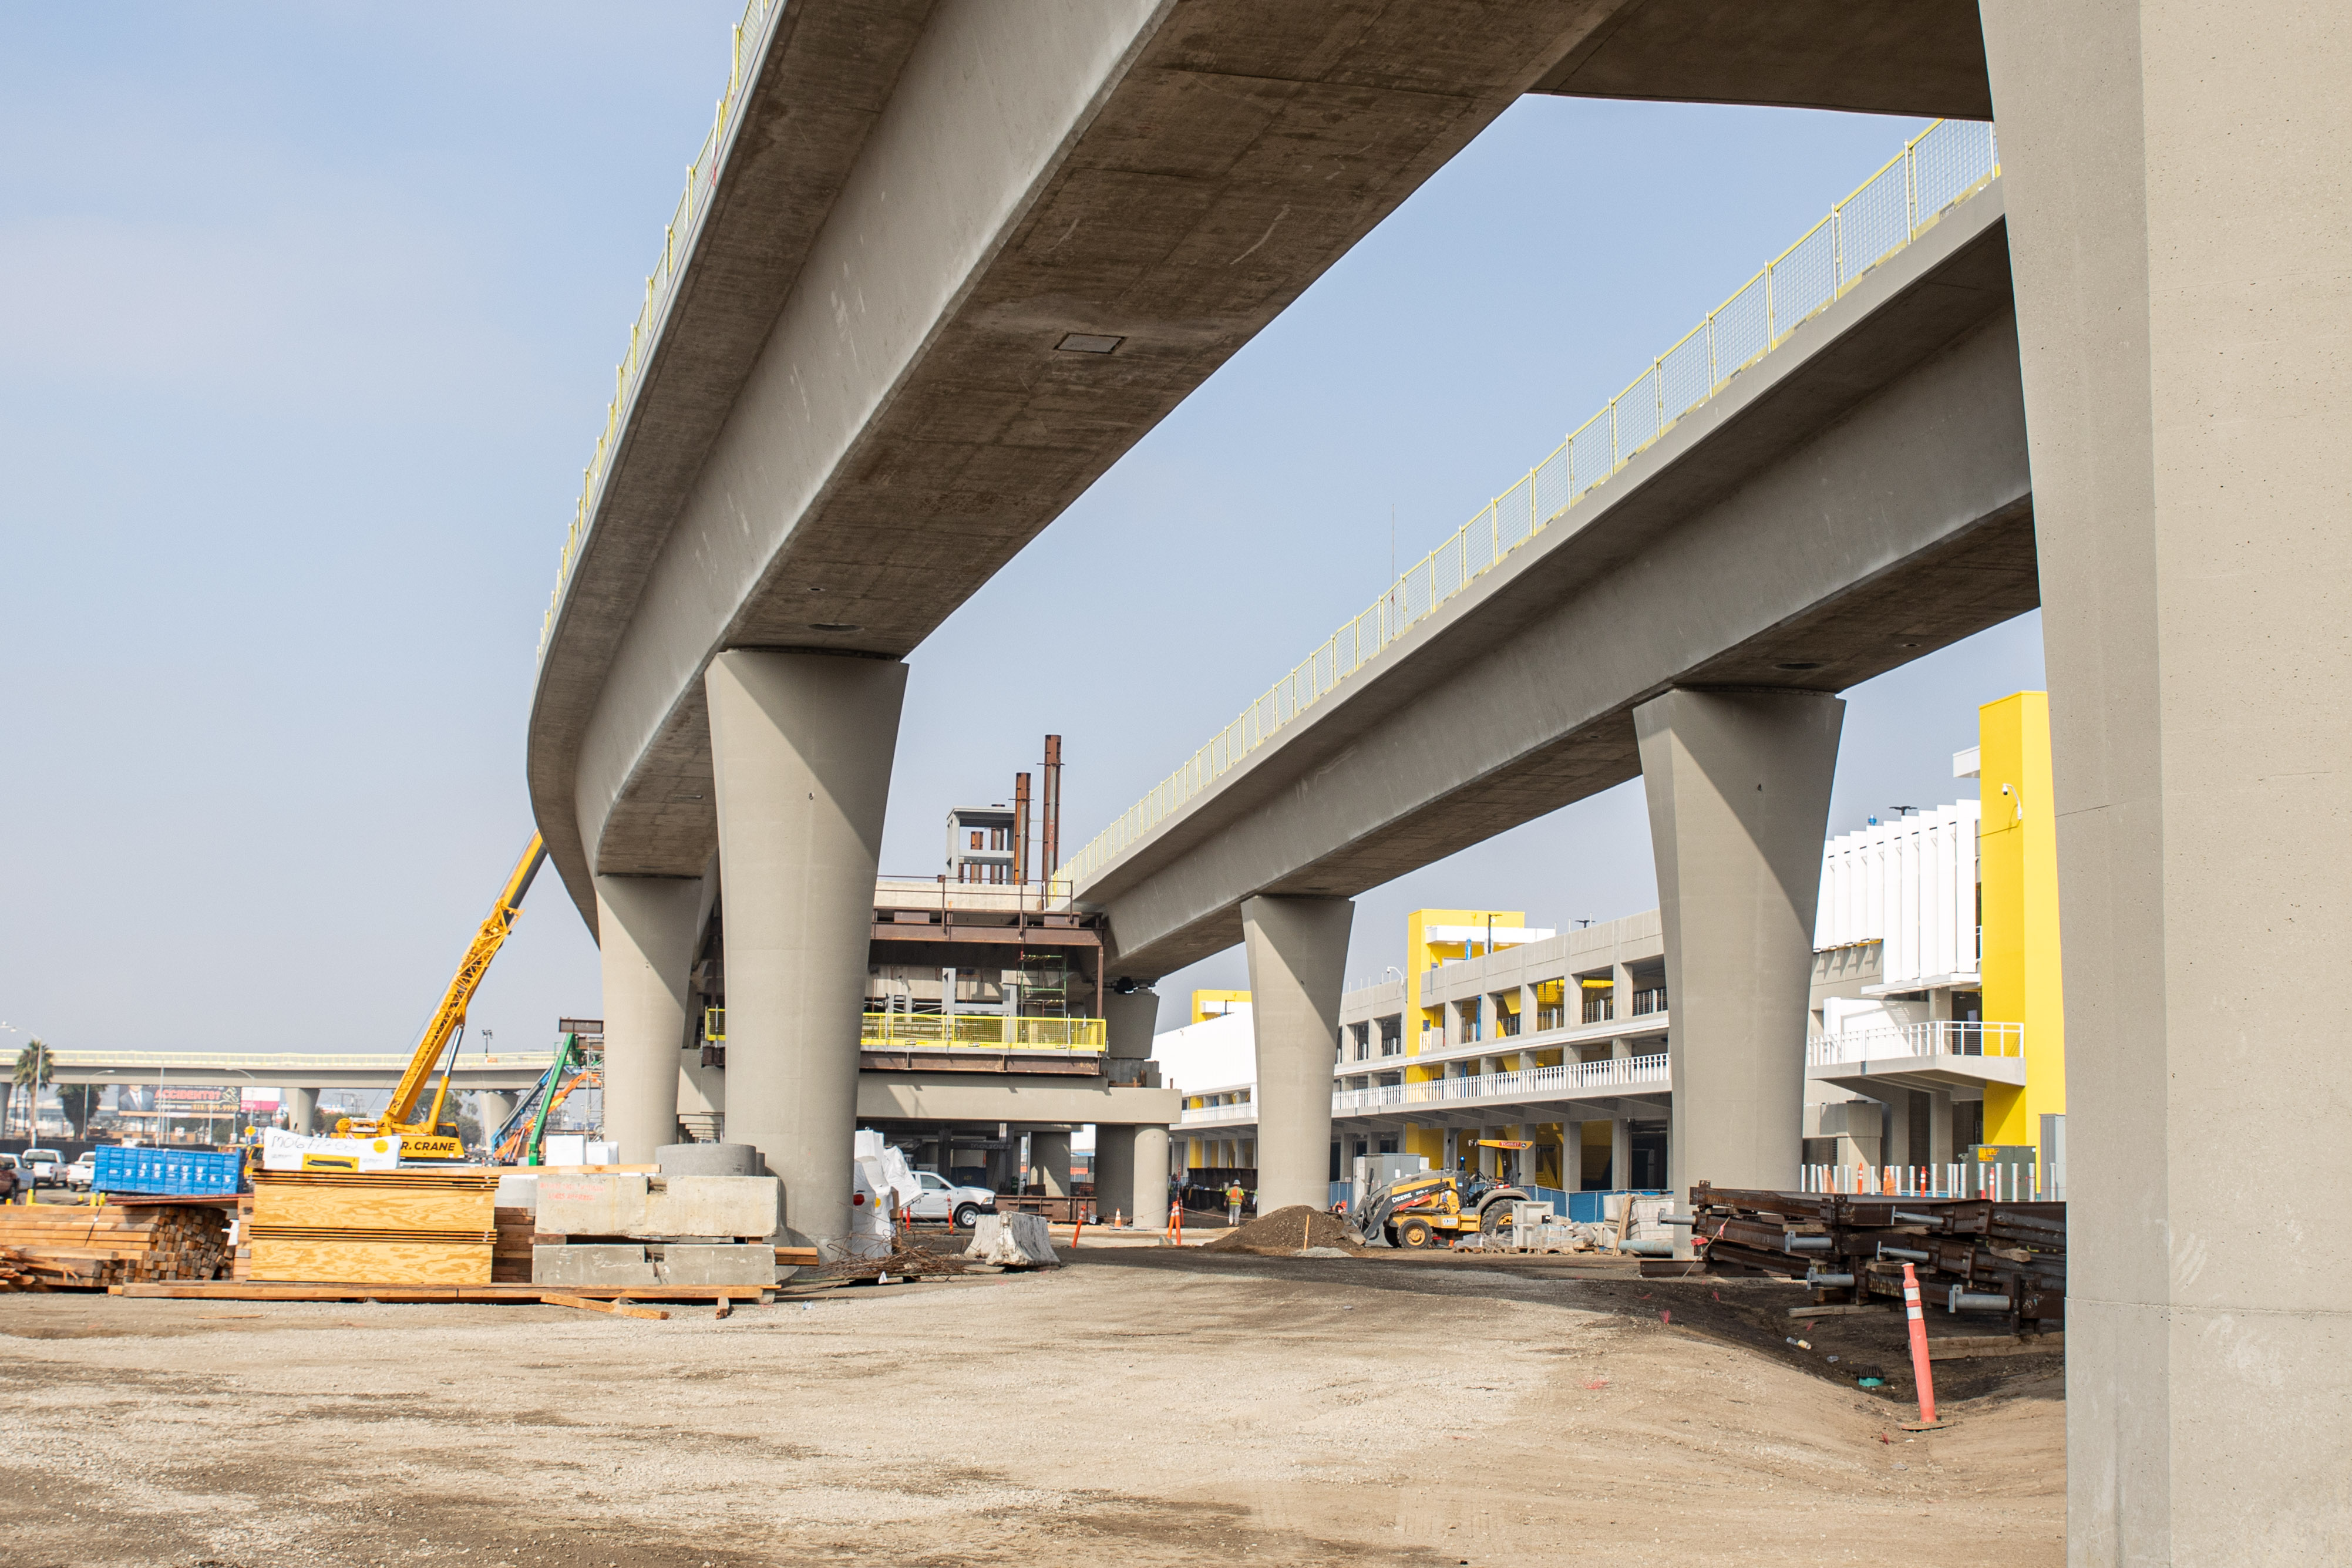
[375, 1227]
[510, 1255]
[241, 1239]
[60, 1247]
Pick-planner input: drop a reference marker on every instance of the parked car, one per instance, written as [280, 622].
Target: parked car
[83, 1171]
[48, 1165]
[942, 1199]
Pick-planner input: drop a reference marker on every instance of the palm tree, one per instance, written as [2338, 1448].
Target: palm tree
[36, 1064]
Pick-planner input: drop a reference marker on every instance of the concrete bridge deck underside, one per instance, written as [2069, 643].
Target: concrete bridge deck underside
[855, 409]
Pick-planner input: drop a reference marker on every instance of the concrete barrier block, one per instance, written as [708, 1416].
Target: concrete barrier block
[591, 1206]
[687, 1263]
[711, 1206]
[607, 1264]
[1014, 1240]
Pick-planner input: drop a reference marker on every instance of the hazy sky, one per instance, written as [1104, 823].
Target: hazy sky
[315, 315]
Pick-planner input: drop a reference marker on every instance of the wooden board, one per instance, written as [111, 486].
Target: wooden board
[372, 1262]
[333, 1290]
[1970, 1349]
[363, 1204]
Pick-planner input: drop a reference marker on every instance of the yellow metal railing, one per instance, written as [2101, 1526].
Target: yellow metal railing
[700, 176]
[975, 1031]
[1940, 167]
[982, 1030]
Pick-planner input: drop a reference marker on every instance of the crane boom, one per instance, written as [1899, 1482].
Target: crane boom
[400, 1115]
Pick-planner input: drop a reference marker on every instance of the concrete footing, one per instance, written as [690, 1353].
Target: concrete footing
[801, 749]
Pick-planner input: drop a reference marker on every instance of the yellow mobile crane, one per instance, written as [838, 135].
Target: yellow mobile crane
[429, 1138]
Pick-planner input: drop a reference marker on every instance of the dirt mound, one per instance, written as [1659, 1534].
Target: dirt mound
[1285, 1231]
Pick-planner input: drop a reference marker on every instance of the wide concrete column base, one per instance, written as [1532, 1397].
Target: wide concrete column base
[1739, 789]
[1114, 1173]
[1152, 1173]
[800, 751]
[645, 937]
[1049, 1162]
[1297, 951]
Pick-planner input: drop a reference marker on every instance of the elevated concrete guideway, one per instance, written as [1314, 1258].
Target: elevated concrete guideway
[855, 408]
[1856, 499]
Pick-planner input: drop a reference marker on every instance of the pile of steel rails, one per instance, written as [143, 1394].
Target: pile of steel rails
[1970, 1255]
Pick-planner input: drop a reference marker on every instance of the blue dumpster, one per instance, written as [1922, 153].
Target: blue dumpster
[176, 1172]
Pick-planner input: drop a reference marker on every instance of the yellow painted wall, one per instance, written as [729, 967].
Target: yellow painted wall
[1419, 956]
[2018, 870]
[1207, 1004]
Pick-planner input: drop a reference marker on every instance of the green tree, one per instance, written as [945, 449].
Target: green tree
[36, 1064]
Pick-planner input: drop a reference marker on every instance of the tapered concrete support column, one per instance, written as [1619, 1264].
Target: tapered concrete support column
[1297, 958]
[1940, 1128]
[1114, 1173]
[301, 1110]
[1130, 1020]
[801, 747]
[491, 1109]
[1739, 789]
[1049, 1162]
[646, 935]
[2177, 227]
[1152, 1173]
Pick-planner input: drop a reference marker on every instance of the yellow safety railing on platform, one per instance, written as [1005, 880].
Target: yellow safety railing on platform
[972, 1031]
[702, 175]
[988, 1031]
[1938, 169]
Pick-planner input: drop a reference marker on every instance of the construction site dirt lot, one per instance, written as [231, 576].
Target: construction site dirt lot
[1141, 1406]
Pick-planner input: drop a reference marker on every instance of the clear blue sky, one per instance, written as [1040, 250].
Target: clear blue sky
[316, 312]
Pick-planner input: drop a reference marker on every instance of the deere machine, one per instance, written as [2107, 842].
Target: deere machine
[428, 1137]
[1434, 1208]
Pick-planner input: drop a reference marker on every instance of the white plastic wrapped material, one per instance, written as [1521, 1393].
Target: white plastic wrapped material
[882, 1183]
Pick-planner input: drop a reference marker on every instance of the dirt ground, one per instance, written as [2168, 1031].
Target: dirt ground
[1141, 1406]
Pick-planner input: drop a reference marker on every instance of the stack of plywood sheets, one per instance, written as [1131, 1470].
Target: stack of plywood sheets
[89, 1247]
[376, 1228]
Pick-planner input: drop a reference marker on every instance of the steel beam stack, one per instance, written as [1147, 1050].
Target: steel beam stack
[1970, 1255]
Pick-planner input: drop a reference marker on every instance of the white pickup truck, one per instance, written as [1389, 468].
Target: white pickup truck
[942, 1199]
[48, 1166]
